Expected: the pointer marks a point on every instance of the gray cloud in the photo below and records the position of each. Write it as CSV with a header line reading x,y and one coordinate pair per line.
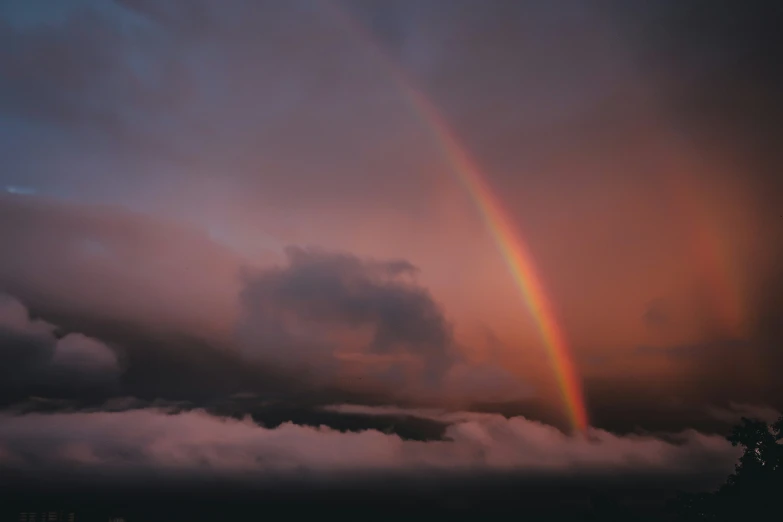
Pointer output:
x,y
289,312
33,357
81,354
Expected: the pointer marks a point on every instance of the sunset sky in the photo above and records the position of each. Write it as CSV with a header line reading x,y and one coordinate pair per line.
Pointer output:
x,y
388,216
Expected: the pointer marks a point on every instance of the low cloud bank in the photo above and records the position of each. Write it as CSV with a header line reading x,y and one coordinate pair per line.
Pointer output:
x,y
195,443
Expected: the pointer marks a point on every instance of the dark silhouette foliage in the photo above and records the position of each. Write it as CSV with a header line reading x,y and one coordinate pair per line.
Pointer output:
x,y
754,490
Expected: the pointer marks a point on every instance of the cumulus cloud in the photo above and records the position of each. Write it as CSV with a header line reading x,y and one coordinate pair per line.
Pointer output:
x,y
80,353
34,354
364,322
15,318
329,309
149,441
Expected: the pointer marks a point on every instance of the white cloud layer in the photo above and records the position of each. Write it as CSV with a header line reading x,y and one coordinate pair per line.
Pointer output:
x,y
197,443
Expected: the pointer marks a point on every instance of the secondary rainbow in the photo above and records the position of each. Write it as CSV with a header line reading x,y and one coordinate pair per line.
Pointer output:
x,y
512,248
709,245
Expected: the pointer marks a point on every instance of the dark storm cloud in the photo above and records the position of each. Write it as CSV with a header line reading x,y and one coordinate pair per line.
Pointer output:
x,y
320,290
34,358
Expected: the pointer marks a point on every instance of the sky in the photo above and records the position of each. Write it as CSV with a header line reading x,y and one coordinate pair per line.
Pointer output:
x,y
259,216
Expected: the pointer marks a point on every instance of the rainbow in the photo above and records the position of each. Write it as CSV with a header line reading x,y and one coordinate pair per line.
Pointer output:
x,y
515,253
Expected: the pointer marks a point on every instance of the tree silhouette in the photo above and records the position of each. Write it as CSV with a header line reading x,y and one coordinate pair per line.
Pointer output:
x,y
755,487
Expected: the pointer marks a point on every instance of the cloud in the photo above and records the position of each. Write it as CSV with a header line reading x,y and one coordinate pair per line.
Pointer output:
x,y
106,262
145,442
34,356
326,318
79,353
332,310
15,318
365,323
